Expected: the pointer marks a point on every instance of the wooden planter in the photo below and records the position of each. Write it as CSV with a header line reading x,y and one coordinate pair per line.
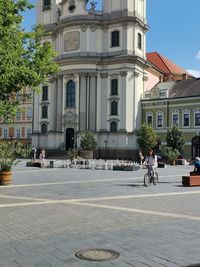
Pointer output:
x,y
86,154
5,177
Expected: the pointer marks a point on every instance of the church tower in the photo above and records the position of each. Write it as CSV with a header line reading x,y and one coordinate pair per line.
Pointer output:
x,y
102,57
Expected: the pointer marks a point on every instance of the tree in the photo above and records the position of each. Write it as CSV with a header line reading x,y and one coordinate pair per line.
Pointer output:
x,y
147,138
88,141
175,139
25,62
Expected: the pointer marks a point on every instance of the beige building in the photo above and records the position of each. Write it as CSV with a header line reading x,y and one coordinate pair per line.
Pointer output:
x,y
21,129
102,59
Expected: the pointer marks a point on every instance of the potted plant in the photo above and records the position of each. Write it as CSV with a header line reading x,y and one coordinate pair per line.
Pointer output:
x,y
87,144
9,152
172,155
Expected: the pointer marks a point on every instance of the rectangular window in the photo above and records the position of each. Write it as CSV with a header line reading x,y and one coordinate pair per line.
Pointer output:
x,y
115,39
175,119
28,133
29,113
18,116
186,119
5,133
149,119
18,133
139,41
197,119
114,87
46,4
160,120
44,93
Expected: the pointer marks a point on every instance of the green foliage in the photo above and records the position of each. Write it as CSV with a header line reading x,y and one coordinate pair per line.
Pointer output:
x,y
72,154
147,138
88,141
25,62
9,152
175,139
171,153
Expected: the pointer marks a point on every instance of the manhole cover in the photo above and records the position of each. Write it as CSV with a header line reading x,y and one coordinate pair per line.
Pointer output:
x,y
97,254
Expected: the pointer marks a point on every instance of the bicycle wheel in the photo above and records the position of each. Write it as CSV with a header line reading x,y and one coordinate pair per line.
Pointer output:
x,y
155,179
147,180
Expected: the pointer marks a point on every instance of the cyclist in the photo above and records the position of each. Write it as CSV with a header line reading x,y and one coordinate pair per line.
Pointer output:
x,y
151,162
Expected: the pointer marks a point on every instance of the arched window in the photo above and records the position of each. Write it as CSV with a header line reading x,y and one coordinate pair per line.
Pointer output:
x,y
44,128
44,112
70,101
139,41
114,87
115,39
113,126
114,107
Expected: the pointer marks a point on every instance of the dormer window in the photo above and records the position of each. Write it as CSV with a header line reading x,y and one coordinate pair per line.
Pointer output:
x,y
46,4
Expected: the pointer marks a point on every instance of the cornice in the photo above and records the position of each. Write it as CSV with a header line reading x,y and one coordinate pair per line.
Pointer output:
x,y
102,20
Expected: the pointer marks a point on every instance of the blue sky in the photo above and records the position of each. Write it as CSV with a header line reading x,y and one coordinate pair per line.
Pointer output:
x,y
174,30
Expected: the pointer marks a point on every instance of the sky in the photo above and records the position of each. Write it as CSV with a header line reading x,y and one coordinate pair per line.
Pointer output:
x,y
174,30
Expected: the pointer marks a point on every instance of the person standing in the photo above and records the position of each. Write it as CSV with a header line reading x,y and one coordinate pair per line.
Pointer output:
x,y
141,157
33,154
42,156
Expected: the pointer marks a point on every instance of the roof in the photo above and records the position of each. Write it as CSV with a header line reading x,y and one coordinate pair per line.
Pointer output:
x,y
164,64
185,88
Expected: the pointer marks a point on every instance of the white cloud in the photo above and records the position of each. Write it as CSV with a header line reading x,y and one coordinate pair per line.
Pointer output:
x,y
195,73
198,55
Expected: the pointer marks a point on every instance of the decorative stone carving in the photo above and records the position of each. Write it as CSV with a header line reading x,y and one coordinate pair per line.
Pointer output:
x,y
70,118
83,27
125,25
93,27
104,75
123,73
71,41
54,36
105,28
136,74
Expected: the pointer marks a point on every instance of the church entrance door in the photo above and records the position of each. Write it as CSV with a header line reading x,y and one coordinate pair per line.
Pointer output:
x,y
196,146
69,138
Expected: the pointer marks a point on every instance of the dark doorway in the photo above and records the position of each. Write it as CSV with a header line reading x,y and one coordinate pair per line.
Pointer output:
x,y
69,138
195,146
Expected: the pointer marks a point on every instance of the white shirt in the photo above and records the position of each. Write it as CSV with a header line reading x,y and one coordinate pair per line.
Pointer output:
x,y
152,161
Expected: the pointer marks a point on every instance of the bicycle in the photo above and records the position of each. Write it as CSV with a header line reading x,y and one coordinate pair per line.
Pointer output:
x,y
150,177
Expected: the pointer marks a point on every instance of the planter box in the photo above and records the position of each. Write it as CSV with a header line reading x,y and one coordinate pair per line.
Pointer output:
x,y
161,165
191,180
5,178
86,154
33,164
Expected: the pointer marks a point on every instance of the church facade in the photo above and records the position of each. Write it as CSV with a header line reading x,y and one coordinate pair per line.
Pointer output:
x,y
102,59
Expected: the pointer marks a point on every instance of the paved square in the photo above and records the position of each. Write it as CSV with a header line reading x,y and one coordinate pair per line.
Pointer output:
x,y
47,215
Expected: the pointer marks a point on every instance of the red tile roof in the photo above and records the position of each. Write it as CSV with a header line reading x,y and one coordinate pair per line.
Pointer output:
x,y
164,65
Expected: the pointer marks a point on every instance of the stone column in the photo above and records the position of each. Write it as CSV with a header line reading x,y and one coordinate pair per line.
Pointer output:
x,y
104,100
83,103
59,107
53,105
123,101
92,104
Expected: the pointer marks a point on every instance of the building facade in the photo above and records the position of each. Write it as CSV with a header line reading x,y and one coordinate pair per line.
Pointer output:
x,y
21,129
175,103
102,59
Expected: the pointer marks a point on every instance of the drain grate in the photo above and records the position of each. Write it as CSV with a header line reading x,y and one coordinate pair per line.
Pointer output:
x,y
96,254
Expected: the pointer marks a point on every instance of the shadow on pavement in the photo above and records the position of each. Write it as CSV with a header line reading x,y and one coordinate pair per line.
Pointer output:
x,y
193,265
131,185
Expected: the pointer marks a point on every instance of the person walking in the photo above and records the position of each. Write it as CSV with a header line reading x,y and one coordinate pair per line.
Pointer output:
x,y
33,154
141,157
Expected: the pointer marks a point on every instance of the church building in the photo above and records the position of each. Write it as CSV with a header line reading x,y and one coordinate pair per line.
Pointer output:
x,y
102,59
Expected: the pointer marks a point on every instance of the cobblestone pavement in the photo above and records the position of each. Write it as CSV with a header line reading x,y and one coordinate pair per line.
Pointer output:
x,y
47,215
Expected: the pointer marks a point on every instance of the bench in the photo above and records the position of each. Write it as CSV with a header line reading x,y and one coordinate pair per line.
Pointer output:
x,y
191,180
